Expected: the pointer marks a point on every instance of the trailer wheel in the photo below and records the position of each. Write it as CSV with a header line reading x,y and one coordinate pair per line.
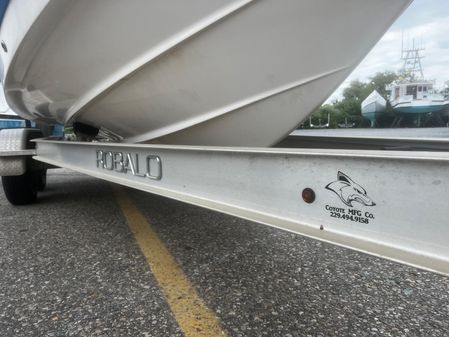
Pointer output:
x,y
41,180
20,190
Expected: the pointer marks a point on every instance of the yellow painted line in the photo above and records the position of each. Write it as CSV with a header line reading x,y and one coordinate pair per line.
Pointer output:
x,y
193,316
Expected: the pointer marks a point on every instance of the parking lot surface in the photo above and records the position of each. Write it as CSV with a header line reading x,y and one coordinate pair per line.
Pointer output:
x,y
70,265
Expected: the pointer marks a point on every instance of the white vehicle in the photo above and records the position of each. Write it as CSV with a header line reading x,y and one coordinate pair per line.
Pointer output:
x,y
220,73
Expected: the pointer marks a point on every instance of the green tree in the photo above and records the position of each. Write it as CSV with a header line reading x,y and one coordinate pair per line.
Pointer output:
x,y
349,107
380,82
356,91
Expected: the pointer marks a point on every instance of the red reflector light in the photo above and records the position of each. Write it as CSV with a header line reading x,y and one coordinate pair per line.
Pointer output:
x,y
308,195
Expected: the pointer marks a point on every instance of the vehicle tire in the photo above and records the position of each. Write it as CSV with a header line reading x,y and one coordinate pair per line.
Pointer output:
x,y
20,190
41,180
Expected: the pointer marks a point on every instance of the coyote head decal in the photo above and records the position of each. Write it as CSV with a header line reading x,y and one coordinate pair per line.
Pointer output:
x,y
349,191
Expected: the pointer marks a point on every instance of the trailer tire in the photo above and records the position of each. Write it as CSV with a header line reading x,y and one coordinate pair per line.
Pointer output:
x,y
20,190
41,180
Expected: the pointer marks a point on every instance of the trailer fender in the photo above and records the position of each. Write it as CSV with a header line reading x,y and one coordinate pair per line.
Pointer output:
x,y
12,141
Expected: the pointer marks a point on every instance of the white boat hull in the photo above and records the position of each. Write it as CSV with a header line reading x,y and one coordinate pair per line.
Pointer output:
x,y
209,72
445,111
374,103
374,107
418,106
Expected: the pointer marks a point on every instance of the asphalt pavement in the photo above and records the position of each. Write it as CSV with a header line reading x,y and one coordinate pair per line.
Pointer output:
x,y
70,266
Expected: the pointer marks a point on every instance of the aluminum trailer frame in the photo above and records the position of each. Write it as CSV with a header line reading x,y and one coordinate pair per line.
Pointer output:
x,y
367,142
387,203
392,204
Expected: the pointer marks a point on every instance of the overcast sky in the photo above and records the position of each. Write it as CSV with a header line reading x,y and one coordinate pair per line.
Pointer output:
x,y
427,21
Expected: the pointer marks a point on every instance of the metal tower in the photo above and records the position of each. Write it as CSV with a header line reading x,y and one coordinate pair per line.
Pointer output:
x,y
412,60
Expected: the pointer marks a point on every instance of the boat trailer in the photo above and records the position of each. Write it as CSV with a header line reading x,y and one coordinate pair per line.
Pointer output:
x,y
390,201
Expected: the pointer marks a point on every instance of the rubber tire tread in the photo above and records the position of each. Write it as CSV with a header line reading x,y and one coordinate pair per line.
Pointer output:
x,y
41,180
20,190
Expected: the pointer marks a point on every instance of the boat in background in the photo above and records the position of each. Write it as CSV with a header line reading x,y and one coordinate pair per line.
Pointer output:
x,y
445,112
414,95
373,107
200,72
